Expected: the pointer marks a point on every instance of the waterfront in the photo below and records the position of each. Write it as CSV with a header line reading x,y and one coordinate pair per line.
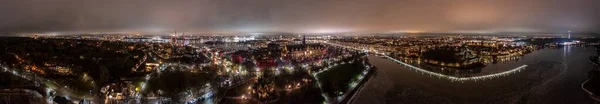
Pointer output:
x,y
299,52
553,76
294,70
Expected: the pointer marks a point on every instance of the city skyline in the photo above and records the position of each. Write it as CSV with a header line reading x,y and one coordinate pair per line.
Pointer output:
x,y
299,51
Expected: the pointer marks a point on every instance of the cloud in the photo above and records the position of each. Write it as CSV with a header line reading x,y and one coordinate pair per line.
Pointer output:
x,y
299,15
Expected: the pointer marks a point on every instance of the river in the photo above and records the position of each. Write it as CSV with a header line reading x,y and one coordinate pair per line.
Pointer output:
x,y
552,76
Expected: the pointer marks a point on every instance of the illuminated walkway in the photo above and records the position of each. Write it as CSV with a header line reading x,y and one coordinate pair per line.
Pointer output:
x,y
451,78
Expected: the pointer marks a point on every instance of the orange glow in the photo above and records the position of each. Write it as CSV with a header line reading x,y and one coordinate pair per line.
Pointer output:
x,y
413,31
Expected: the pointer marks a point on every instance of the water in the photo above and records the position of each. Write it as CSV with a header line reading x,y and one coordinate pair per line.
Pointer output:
x,y
553,76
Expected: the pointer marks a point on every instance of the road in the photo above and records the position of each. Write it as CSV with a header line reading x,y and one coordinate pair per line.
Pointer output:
x,y
60,91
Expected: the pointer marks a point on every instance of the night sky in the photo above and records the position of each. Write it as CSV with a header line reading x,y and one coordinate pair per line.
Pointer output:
x,y
312,16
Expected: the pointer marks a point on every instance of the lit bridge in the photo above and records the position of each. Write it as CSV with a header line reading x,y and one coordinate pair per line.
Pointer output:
x,y
451,78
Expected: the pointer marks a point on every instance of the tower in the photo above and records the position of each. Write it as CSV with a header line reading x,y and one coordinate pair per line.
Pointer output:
x,y
304,47
304,40
569,34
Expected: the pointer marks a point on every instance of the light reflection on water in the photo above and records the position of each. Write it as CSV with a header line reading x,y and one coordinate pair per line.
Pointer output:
x,y
503,66
453,78
553,76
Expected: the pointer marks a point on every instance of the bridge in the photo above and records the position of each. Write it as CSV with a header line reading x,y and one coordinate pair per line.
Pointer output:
x,y
451,78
